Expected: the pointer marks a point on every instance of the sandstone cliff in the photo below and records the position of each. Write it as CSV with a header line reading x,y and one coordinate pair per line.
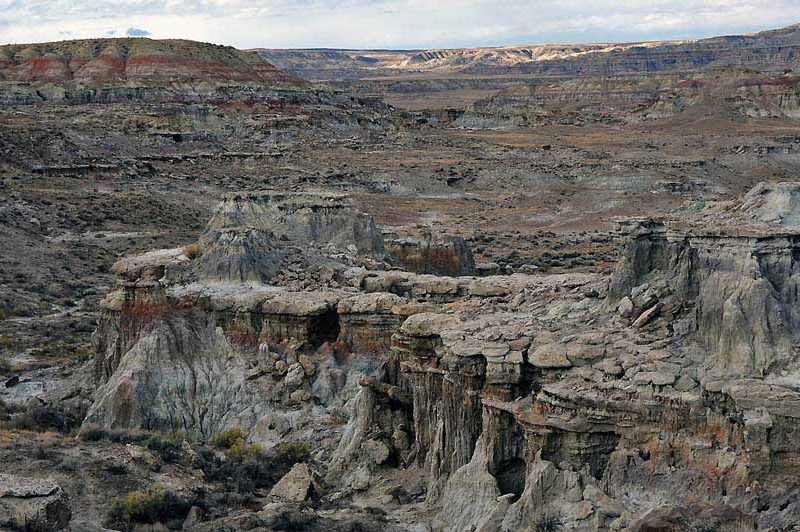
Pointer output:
x,y
663,395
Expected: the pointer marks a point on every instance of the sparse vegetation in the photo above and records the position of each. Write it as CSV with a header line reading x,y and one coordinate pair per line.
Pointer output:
x,y
192,251
226,439
168,447
248,467
293,521
148,507
235,446
41,418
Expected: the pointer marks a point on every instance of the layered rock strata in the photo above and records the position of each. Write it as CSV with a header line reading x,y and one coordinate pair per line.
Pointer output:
x,y
38,505
665,398
664,395
447,256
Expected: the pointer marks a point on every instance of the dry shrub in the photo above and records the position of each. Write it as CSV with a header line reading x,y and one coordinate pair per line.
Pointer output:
x,y
192,251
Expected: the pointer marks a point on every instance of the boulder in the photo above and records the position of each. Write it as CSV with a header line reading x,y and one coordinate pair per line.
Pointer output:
x,y
428,324
550,356
38,505
296,486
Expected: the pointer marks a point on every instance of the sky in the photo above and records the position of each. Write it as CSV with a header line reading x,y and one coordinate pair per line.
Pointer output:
x,y
390,24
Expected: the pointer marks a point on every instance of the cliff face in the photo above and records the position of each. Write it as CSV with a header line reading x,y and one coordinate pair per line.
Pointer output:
x,y
770,51
663,395
728,93
600,410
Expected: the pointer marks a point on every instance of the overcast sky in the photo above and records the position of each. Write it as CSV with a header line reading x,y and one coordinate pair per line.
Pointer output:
x,y
390,23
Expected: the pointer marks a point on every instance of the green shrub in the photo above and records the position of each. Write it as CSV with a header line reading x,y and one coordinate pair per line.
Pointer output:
x,y
292,452
167,447
43,418
241,451
236,447
227,439
147,507
93,433
249,467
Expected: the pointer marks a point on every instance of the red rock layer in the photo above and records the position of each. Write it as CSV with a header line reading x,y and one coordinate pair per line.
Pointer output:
x,y
134,60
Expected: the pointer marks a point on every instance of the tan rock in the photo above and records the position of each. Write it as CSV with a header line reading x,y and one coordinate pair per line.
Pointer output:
x,y
296,486
646,317
428,324
294,376
32,504
281,367
377,451
550,356
584,355
300,396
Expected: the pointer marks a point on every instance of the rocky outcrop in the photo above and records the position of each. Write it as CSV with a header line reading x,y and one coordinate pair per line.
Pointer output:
x,y
368,321
449,256
738,275
181,375
296,486
38,505
253,236
572,403
194,340
773,51
581,399
729,93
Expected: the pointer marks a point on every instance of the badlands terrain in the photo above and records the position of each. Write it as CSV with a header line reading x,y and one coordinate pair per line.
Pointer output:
x,y
531,288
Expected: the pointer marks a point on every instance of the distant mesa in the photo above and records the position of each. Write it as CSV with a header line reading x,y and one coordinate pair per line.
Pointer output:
x,y
770,51
135,60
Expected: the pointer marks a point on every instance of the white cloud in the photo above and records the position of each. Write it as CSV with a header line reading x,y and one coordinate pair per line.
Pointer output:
x,y
391,23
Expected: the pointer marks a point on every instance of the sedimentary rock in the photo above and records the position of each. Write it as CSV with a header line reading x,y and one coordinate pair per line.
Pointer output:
x,y
439,256
296,486
589,417
257,236
773,50
574,398
198,343
133,60
38,505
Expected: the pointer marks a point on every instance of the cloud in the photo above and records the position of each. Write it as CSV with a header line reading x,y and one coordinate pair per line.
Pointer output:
x,y
136,32
393,23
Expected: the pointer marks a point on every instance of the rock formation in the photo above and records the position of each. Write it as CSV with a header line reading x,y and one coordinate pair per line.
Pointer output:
x,y
32,504
203,344
448,256
115,70
132,60
772,51
600,409
662,394
251,236
728,93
